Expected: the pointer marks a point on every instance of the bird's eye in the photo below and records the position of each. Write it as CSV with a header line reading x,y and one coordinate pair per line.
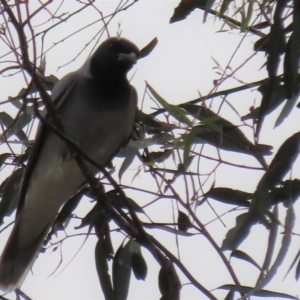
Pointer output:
x,y
112,46
115,47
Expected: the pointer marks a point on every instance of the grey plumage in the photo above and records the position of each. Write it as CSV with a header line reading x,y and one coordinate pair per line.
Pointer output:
x,y
96,106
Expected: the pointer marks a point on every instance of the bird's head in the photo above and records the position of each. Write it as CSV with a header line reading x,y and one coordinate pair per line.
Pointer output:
x,y
114,57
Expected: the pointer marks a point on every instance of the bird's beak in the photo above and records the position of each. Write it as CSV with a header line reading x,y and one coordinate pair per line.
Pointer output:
x,y
130,58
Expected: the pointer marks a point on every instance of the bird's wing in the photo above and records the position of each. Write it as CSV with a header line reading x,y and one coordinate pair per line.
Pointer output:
x,y
59,93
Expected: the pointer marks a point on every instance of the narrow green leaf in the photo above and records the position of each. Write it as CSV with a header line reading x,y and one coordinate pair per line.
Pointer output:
x,y
230,295
291,58
236,235
156,157
185,8
297,273
139,265
130,155
277,97
244,256
247,19
152,125
206,116
163,281
122,265
118,200
102,270
229,196
66,211
208,6
262,293
187,145
173,110
6,119
282,162
285,243
148,48
11,192
274,48
15,126
224,7
184,222
100,222
271,246
47,82
168,229
3,158
88,219
162,139
117,275
168,282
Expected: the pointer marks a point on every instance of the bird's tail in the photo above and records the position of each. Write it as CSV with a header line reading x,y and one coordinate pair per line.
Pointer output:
x,y
17,260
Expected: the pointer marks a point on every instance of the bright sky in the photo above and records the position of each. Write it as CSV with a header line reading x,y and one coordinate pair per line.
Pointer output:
x,y
180,68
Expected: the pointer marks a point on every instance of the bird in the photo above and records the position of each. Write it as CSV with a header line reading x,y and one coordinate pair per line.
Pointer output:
x,y
96,106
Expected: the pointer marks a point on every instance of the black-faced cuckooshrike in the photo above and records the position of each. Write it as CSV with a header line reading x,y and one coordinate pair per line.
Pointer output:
x,y
96,106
